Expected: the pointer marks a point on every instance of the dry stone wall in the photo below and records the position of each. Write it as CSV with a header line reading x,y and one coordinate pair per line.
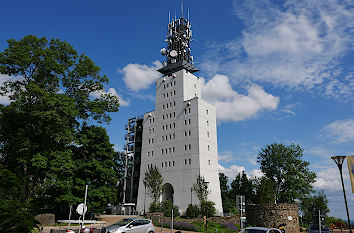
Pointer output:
x,y
269,215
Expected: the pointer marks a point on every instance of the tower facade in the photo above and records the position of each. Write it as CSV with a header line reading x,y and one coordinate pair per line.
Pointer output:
x,y
180,137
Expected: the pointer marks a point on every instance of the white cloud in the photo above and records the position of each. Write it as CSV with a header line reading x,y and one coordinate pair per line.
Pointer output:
x,y
319,151
328,179
233,170
226,158
112,91
340,131
232,106
138,77
299,44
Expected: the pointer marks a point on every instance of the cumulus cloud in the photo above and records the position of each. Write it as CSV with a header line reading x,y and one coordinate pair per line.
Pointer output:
x,y
232,106
340,131
298,44
328,179
139,77
233,170
112,91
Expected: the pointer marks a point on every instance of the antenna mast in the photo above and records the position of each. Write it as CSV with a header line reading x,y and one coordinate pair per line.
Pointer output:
x,y
182,8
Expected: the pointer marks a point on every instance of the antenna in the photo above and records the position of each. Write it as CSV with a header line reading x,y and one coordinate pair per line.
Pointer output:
x,y
182,7
169,17
188,14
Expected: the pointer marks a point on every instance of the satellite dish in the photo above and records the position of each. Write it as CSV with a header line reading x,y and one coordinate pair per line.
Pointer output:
x,y
173,53
80,209
163,51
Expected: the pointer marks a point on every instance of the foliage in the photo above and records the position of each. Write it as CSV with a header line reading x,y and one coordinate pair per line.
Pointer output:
x,y
166,208
14,212
201,188
227,204
153,181
207,208
265,191
310,203
229,226
154,207
285,166
52,91
119,169
192,211
241,185
184,226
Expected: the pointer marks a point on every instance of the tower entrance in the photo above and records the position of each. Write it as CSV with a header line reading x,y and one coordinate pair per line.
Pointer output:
x,y
167,192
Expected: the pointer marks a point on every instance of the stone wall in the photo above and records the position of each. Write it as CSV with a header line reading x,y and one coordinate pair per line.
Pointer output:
x,y
269,215
45,219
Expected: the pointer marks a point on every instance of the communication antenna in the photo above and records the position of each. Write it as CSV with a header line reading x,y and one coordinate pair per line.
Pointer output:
x,y
169,16
188,14
182,7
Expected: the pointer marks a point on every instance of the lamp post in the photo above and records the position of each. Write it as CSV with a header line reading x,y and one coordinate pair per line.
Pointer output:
x,y
144,198
339,161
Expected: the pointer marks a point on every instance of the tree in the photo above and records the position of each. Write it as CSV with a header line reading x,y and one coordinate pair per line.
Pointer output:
x,y
52,91
265,191
309,203
153,181
119,168
15,215
224,188
285,167
192,211
201,189
241,185
207,208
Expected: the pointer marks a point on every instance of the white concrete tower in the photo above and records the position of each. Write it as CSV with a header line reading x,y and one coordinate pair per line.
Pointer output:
x,y
180,136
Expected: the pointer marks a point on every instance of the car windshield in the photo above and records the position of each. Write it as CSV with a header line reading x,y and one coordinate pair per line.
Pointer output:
x,y
122,222
254,231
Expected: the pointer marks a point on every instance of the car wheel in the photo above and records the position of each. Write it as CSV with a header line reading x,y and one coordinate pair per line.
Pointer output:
x,y
151,232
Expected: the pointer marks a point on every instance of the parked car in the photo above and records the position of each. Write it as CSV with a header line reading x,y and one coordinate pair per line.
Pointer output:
x,y
131,225
260,230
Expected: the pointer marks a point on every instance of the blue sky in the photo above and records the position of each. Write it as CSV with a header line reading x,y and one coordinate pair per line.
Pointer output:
x,y
277,71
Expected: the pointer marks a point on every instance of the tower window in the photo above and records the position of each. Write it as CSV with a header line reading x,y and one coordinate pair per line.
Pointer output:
x,y
189,121
174,114
165,164
208,133
185,111
161,164
208,148
174,103
152,153
174,82
189,110
162,151
190,161
189,133
164,86
185,133
185,147
195,85
207,111
174,92
207,123
209,162
148,153
163,127
167,94
163,117
189,146
174,125
173,163
173,149
185,162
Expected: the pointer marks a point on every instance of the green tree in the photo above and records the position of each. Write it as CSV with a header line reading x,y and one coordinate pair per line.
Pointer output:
x,y
153,181
201,189
227,204
309,203
241,185
192,211
207,208
289,172
265,191
119,168
51,91
15,215
166,208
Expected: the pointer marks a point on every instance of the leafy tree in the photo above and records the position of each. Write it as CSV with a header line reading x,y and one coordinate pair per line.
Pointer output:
x,y
51,91
14,212
285,167
265,191
192,211
241,185
153,181
201,189
207,208
309,203
227,204
119,168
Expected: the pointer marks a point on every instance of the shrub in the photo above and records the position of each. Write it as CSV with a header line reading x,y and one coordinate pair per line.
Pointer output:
x,y
154,207
166,208
207,208
192,211
229,226
184,226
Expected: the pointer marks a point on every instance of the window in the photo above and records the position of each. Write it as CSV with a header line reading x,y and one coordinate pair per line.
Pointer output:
x,y
189,121
166,94
207,111
149,141
174,125
162,151
170,115
171,104
174,114
174,82
208,148
170,136
174,136
166,150
169,163
189,146
148,153
189,110
164,86
185,111
190,161
185,133
167,85
153,120
161,164
152,153
153,130
149,131
174,103
152,140
163,127
185,162
171,93
173,149
189,133
165,164
163,138
174,92
163,117
195,85
207,123
173,163
185,147
150,121
209,162
170,149
185,122
208,134
167,105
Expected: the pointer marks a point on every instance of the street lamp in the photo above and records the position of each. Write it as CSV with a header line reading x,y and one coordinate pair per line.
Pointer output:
x,y
339,161
191,195
144,198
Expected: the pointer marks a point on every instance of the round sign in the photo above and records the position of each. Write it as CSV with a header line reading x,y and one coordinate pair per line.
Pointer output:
x,y
80,209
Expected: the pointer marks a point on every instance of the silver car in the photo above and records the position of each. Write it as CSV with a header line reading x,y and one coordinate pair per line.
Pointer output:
x,y
260,230
131,225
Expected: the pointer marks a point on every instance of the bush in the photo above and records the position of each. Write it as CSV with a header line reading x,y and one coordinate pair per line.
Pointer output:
x,y
207,208
192,211
154,207
184,226
166,208
229,226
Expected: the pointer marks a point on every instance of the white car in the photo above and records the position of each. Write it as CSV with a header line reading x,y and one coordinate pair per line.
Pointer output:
x,y
260,230
131,225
